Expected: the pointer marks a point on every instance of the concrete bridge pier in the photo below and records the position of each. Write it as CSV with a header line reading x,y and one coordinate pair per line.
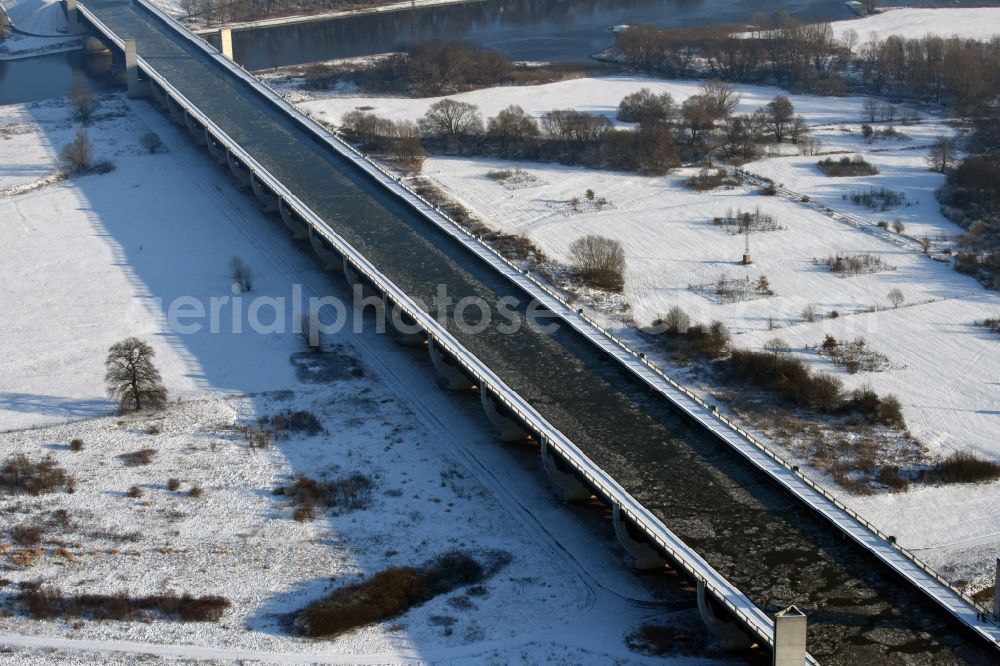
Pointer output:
x,y
136,87
450,376
567,486
401,327
332,260
226,42
176,111
92,45
508,430
729,635
159,94
790,630
217,150
359,287
298,228
268,198
73,18
196,129
239,171
643,555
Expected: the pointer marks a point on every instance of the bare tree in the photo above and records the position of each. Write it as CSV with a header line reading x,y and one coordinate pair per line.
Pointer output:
x,y
78,156
132,378
942,155
896,297
511,127
780,114
869,110
84,104
241,274
721,97
677,321
448,118
600,260
777,347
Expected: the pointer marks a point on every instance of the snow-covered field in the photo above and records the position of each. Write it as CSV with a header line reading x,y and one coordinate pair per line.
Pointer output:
x,y
43,18
45,23
912,22
943,368
76,280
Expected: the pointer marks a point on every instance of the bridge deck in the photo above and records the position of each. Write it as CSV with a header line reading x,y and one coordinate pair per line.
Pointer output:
x,y
768,543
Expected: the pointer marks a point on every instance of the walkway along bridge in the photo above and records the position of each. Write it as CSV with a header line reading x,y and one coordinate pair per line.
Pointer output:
x,y
687,488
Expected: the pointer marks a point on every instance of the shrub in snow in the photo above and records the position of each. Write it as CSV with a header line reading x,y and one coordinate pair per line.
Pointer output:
x,y
600,261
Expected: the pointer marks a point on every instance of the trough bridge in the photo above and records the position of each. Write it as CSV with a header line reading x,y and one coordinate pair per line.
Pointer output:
x,y
686,488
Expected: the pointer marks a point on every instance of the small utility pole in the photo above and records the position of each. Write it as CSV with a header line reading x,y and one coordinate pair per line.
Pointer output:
x,y
747,259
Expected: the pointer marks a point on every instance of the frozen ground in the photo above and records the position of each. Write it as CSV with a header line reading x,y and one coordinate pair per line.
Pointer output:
x,y
911,22
943,368
76,280
45,23
44,18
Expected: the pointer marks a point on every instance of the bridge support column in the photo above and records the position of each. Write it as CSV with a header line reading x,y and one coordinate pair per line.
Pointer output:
x,y
217,150
567,487
508,430
401,328
92,45
159,94
240,172
136,88
730,636
73,18
790,630
176,111
197,134
450,376
353,279
298,228
643,555
266,197
331,258
226,42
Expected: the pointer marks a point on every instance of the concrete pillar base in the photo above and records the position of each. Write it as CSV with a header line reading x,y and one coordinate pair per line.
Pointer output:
x,y
73,18
176,112
730,636
411,336
356,283
135,87
226,42
217,150
790,631
449,376
92,45
196,130
298,228
266,197
643,555
508,430
568,488
331,258
240,172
